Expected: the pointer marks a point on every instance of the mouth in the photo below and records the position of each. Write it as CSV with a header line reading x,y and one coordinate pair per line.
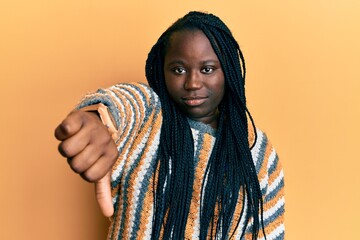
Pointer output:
x,y
194,101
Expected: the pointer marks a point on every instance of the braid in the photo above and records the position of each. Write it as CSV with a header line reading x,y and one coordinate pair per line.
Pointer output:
x,y
230,169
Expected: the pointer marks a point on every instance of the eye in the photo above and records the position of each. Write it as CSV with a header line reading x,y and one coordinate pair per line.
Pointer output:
x,y
207,70
179,70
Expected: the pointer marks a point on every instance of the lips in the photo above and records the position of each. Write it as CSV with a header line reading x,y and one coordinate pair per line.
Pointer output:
x,y
194,101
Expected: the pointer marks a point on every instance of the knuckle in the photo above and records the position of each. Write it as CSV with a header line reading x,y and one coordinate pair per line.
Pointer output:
x,y
101,138
75,113
65,127
111,151
114,153
76,166
91,119
64,149
89,176
108,140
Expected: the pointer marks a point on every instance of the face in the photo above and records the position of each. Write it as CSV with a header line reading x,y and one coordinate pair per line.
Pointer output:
x,y
193,76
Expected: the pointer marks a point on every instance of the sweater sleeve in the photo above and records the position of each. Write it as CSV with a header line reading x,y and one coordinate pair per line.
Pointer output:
x,y
274,201
133,111
124,102
271,179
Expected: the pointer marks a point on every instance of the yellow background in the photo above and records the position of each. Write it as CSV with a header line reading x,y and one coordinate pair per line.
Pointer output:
x,y
303,82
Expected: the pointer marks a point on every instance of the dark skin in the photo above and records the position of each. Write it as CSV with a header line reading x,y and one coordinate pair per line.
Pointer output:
x,y
195,82
90,152
193,76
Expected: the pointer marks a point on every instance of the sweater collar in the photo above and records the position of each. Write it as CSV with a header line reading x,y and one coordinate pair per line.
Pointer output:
x,y
202,127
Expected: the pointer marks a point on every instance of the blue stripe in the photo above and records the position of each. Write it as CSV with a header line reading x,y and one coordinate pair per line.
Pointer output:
x,y
260,159
154,106
134,114
143,190
274,216
126,185
261,154
139,93
273,166
202,127
144,185
116,209
106,100
199,144
269,220
281,236
274,192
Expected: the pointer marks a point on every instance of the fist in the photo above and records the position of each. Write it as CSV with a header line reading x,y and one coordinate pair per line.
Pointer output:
x,y
87,145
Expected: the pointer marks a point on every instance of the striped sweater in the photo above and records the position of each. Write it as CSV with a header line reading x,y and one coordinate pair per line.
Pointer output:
x,y
136,118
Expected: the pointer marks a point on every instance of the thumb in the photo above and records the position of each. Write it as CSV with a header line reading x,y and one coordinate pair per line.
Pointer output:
x,y
103,195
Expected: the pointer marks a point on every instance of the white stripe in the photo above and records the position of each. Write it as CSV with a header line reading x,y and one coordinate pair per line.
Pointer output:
x,y
256,149
138,180
264,182
271,211
132,114
275,233
272,158
276,181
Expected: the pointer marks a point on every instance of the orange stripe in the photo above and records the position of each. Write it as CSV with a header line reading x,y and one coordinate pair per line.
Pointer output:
x,y
275,174
144,90
263,170
237,212
117,219
145,213
251,134
216,218
273,201
125,131
268,229
134,174
148,201
198,178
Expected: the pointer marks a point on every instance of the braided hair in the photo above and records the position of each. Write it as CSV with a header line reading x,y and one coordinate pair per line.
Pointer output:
x,y
230,171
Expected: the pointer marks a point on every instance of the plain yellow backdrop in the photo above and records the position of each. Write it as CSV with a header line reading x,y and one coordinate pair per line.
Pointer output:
x,y
303,86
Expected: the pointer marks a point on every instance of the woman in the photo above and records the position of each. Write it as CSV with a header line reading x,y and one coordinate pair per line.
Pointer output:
x,y
184,162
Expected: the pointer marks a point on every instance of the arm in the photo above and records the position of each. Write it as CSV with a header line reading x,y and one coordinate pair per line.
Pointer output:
x,y
274,201
271,179
126,111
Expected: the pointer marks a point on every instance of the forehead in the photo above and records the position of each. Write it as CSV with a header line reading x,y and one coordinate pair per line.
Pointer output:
x,y
189,42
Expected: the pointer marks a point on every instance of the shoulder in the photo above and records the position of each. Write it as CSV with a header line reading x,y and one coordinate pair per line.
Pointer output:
x,y
268,168
134,88
263,152
118,92
134,94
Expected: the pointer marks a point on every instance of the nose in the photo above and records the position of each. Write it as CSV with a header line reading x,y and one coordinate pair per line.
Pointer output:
x,y
193,81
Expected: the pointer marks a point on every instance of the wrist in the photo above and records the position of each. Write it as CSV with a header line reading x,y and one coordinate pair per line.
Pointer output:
x,y
105,116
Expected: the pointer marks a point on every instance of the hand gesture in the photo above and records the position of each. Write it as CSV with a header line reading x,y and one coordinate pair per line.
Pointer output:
x,y
90,151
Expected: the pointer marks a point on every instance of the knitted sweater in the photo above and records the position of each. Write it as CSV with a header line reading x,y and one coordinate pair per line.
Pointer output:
x,y
136,116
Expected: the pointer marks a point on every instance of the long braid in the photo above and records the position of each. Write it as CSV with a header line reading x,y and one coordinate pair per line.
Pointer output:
x,y
230,169
176,153
232,71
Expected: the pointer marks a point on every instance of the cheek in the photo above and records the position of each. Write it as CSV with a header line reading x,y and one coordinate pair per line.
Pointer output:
x,y
167,82
172,87
221,87
221,93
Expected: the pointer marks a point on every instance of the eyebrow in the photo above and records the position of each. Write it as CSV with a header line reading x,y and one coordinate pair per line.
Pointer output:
x,y
175,62
205,62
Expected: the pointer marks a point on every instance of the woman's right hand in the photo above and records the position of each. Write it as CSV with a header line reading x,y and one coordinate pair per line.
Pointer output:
x,y
90,152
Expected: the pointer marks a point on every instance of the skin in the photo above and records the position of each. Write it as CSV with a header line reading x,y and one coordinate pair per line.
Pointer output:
x,y
90,152
193,76
195,82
